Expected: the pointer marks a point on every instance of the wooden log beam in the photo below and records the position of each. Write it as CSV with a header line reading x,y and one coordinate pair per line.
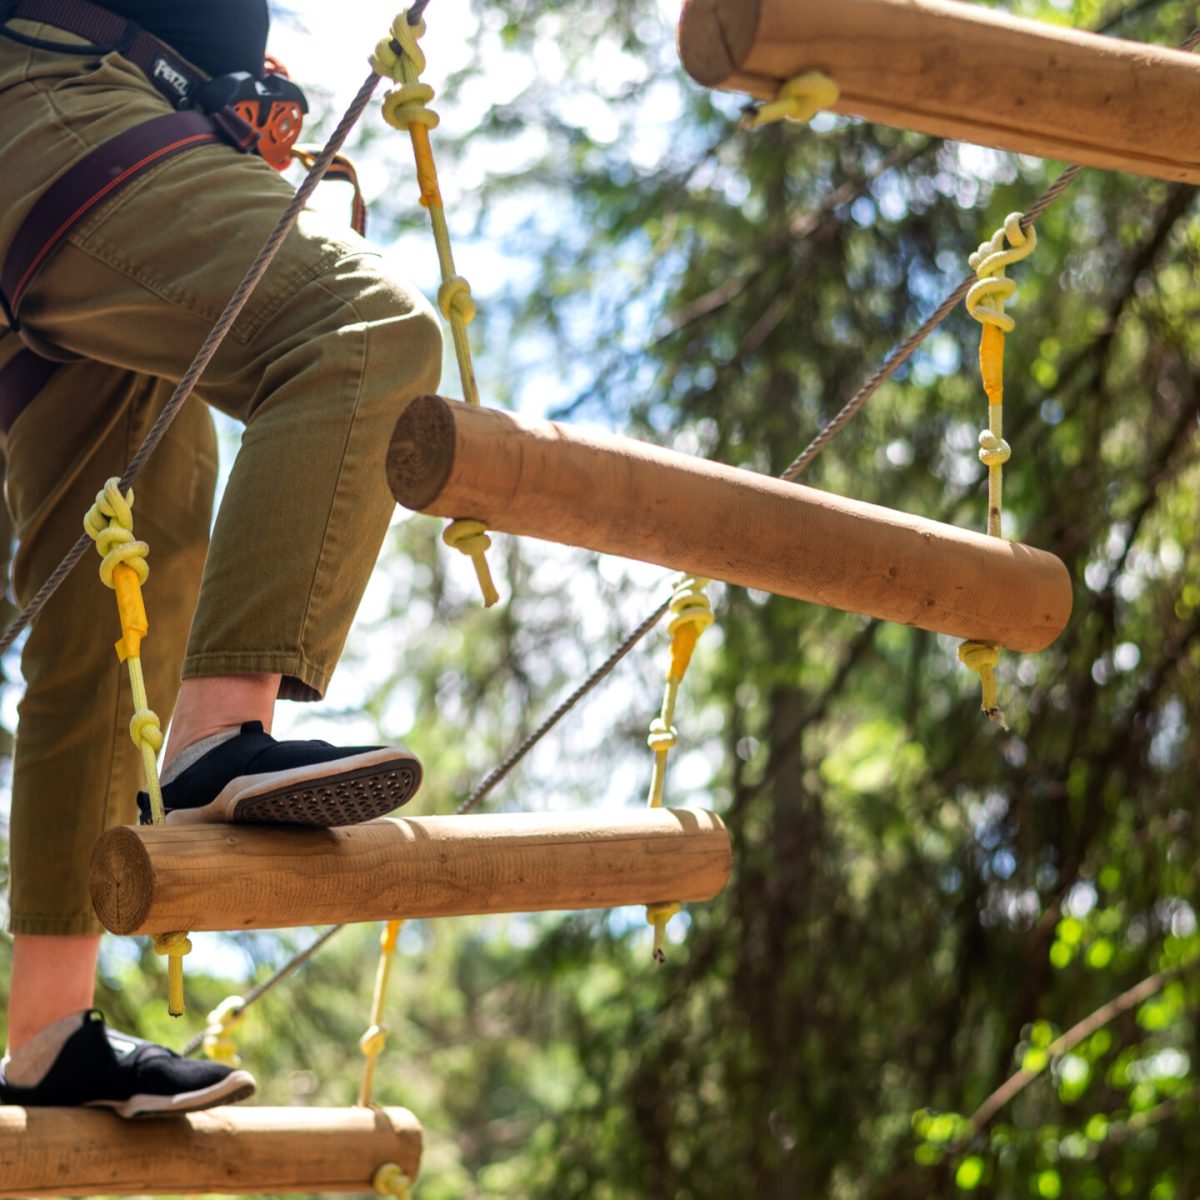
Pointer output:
x,y
226,877
624,497
963,71
233,1151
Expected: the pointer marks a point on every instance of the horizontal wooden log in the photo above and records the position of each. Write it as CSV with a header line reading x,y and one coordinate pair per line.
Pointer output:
x,y
624,497
226,877
963,71
233,1151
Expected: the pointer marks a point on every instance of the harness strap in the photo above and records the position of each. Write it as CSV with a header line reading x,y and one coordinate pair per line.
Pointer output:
x,y
98,176
174,77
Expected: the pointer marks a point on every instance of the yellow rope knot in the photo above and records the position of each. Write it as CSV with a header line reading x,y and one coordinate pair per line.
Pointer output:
x,y
390,1180
455,300
173,946
799,99
373,1041
989,263
658,915
470,538
982,658
221,1022
401,59
146,730
662,737
993,451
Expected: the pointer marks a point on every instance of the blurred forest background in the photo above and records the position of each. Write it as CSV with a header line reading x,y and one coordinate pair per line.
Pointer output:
x,y
886,1002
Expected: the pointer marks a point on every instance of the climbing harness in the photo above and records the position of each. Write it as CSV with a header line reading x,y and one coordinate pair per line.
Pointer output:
x,y
245,113
985,302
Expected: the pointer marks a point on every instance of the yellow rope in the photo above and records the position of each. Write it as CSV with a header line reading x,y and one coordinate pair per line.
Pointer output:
x,y
985,302
373,1041
406,106
390,1180
218,1032
799,99
123,567
691,615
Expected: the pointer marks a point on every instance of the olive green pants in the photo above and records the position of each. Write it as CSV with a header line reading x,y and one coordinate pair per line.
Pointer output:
x,y
323,359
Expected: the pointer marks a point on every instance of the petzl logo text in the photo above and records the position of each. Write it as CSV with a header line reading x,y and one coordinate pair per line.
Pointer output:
x,y
176,81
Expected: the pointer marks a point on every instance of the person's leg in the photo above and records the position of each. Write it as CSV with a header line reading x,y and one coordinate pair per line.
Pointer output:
x,y
52,978
212,704
75,768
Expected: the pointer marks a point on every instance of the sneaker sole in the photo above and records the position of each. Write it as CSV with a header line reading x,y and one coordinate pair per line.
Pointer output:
x,y
344,791
239,1085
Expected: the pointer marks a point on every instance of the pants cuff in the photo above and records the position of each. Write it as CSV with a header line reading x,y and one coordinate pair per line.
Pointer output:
x,y
302,680
44,926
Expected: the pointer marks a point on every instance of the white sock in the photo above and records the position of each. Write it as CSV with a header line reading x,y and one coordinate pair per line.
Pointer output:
x,y
27,1068
195,752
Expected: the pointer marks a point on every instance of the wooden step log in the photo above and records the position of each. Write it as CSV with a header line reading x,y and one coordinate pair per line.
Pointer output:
x,y
239,1150
625,497
963,71
228,877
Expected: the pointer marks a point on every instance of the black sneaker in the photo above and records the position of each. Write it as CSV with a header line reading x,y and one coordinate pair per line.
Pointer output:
x,y
253,779
100,1068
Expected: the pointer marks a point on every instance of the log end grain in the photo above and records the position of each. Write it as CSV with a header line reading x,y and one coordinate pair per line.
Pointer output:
x,y
716,37
421,453
121,879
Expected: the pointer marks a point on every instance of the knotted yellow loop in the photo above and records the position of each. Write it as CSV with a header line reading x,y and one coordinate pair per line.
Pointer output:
x,y
661,739
989,263
145,728
373,1041
993,451
406,106
389,1180
455,300
218,1032
982,658
470,537
799,99
658,915
109,523
173,946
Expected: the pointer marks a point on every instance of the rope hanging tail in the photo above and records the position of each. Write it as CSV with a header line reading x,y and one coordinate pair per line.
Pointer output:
x,y
799,99
373,1041
406,106
691,615
985,302
123,568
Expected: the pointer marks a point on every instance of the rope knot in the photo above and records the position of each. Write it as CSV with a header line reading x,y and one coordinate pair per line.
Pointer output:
x,y
993,451
982,658
455,300
109,523
986,299
658,915
373,1041
221,1022
174,946
390,1180
470,537
146,730
662,737
799,99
